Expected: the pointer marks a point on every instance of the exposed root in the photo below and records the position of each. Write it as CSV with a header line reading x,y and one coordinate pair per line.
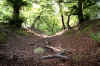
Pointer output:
x,y
56,56
60,53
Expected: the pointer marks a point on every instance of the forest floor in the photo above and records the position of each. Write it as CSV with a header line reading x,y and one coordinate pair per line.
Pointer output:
x,y
22,50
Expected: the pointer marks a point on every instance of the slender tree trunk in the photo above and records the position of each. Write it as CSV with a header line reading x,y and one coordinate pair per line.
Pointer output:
x,y
63,24
68,21
16,17
16,11
62,16
14,21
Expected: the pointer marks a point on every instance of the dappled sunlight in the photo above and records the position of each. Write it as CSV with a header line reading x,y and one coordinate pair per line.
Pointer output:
x,y
35,5
74,20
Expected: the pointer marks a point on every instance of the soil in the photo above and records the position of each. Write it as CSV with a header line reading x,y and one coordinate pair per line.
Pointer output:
x,y
19,50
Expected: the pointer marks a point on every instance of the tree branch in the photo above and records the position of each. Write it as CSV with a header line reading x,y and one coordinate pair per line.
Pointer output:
x,y
56,56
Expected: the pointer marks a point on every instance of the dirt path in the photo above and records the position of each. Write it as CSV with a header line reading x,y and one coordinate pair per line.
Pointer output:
x,y
21,48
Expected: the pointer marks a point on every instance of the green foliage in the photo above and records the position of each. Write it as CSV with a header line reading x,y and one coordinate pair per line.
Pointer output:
x,y
95,36
5,11
49,25
16,19
16,3
44,15
90,12
90,8
73,20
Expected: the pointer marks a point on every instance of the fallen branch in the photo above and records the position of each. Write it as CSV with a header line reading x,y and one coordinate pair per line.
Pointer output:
x,y
55,49
60,53
56,56
58,49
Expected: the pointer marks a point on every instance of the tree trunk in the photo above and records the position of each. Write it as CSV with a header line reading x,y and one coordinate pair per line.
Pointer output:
x,y
63,24
80,11
68,21
16,11
61,11
17,21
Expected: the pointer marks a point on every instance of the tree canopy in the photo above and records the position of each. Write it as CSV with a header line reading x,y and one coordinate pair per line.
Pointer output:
x,y
48,16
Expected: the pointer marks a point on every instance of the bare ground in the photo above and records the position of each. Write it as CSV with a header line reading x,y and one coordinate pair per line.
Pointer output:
x,y
20,50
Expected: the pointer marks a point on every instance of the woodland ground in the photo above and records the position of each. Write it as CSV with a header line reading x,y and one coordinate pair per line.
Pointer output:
x,y
20,49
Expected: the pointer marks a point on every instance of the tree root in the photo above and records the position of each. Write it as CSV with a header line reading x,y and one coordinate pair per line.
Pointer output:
x,y
60,53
